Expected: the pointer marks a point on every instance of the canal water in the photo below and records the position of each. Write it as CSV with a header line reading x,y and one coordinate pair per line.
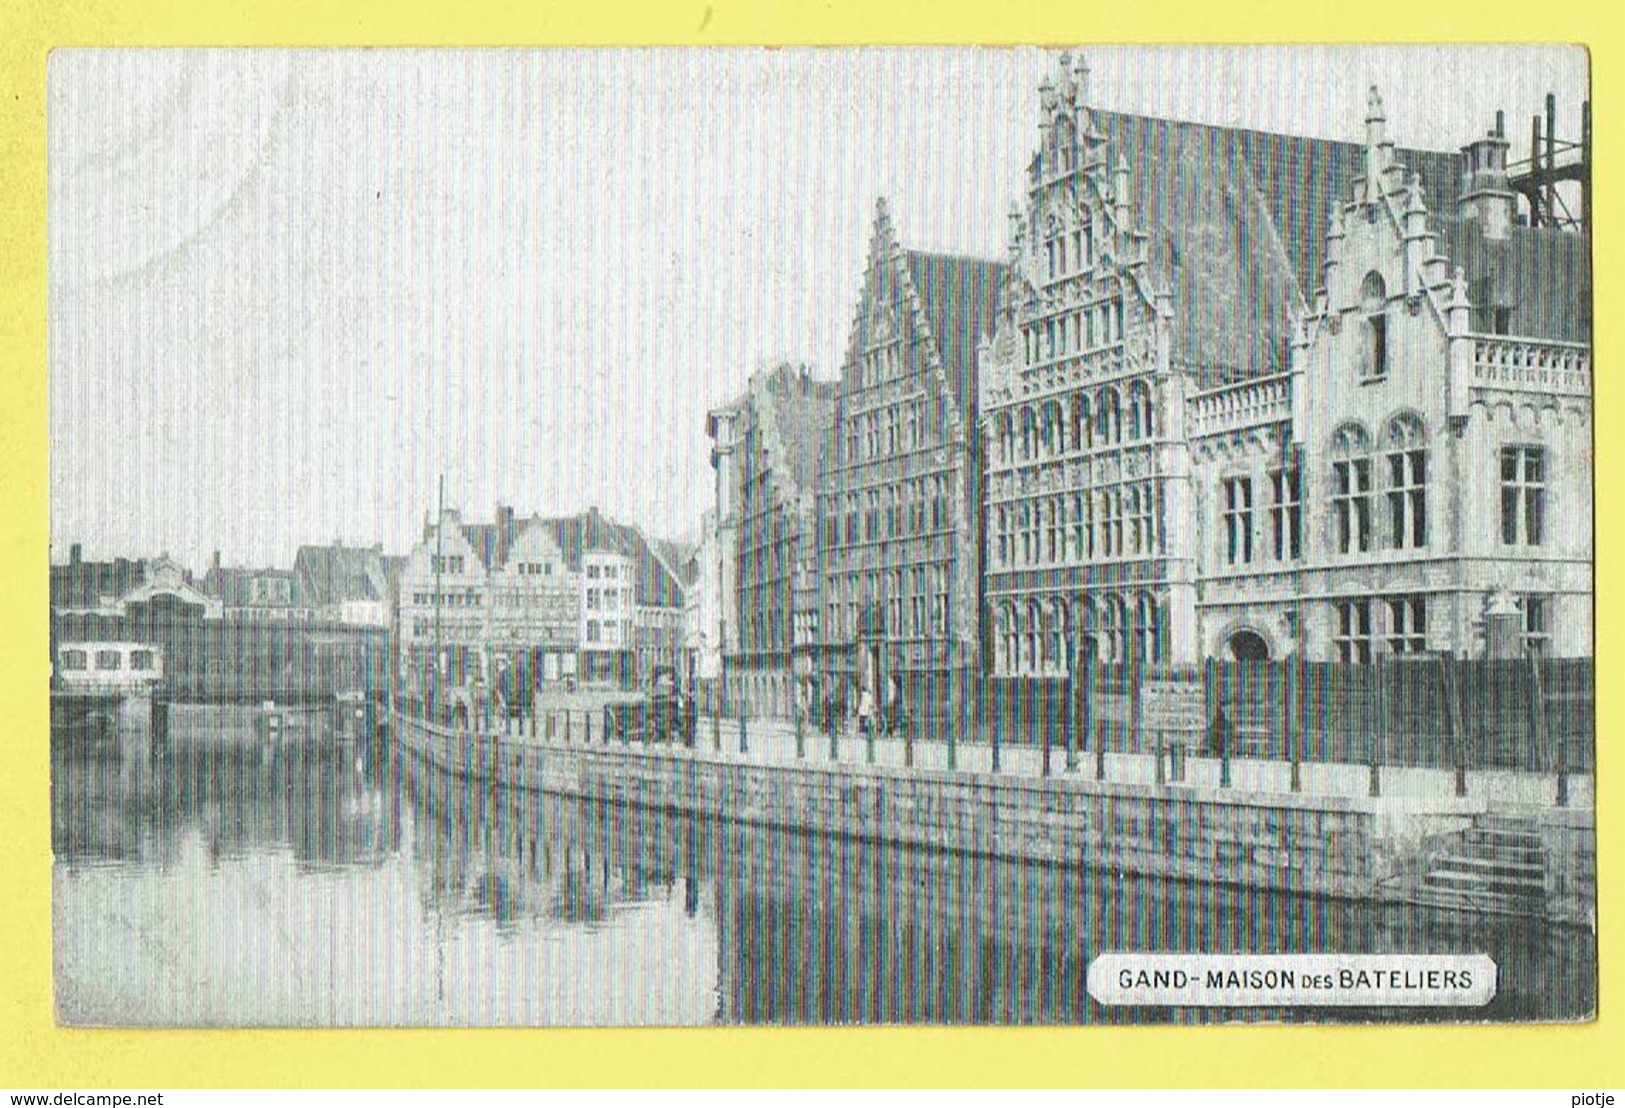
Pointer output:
x,y
342,887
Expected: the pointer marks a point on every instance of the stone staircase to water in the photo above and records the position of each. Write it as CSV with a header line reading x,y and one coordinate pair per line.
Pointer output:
x,y
1498,867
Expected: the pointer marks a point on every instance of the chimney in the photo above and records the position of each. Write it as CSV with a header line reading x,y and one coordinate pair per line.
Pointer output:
x,y
1485,193
214,562
75,554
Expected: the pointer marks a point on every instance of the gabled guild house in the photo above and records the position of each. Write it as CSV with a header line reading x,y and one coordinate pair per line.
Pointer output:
x,y
1252,396
898,504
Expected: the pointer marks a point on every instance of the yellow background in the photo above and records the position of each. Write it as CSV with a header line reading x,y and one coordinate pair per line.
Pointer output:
x,y
35,1053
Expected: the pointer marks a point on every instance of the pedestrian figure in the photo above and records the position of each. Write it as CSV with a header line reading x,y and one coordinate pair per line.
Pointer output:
x,y
866,711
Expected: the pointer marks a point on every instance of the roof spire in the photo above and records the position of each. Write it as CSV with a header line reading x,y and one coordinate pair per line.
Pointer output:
x,y
1378,150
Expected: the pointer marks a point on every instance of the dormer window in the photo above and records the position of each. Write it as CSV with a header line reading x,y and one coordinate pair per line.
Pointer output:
x,y
1374,303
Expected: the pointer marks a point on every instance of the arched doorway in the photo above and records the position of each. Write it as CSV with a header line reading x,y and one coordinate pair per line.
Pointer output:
x,y
1249,646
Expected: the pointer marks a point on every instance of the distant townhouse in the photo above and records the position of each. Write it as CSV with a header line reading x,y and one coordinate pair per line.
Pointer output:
x,y
249,595
577,598
341,585
767,446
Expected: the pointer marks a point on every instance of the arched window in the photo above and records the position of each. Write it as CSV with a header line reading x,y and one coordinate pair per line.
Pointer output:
x,y
1001,640
1374,302
1139,411
1024,525
1001,532
1051,532
1083,539
1027,436
1083,428
1351,489
1147,628
1032,634
1055,638
1114,629
1108,418
1407,482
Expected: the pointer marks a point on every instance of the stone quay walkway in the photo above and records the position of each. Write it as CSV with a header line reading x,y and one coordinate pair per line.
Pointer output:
x,y
774,742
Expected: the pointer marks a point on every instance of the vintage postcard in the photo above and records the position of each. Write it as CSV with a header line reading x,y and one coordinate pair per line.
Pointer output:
x,y
821,536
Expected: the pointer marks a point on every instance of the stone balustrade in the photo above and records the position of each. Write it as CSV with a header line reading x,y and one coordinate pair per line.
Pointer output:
x,y
1528,365
1246,404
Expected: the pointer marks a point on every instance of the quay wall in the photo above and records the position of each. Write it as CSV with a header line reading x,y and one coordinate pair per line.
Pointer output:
x,y
1322,845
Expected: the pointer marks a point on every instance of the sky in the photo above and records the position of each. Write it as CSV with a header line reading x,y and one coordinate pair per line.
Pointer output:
x,y
290,289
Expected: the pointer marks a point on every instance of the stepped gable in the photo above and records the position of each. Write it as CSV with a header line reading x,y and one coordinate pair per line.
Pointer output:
x,y
1237,221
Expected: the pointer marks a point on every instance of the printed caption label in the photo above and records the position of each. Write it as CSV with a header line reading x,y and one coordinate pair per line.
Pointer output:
x,y
1293,980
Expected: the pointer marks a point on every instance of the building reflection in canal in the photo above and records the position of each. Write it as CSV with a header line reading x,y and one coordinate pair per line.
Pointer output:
x,y
327,888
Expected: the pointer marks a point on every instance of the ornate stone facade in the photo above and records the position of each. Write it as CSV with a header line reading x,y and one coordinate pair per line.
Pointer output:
x,y
899,538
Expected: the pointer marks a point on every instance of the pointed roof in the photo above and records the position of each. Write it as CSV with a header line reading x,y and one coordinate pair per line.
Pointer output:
x,y
959,296
338,574
1237,221
1540,275
955,296
657,585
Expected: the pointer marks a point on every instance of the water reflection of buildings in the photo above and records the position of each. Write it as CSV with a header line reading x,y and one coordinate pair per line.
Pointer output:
x,y
323,808
509,854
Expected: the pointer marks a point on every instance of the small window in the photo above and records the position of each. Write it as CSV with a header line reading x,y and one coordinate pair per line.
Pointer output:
x,y
141,660
1353,636
1523,496
1407,625
1374,301
75,659
1537,631
109,660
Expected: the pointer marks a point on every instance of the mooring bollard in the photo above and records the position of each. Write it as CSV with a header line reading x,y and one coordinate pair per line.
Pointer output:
x,y
1376,778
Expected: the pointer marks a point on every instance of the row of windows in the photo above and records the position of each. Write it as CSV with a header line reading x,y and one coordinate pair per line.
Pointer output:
x,y
910,602
1083,422
607,572
1365,626
1073,333
535,569
1118,522
886,432
107,661
446,563
1067,253
1036,637
881,363
598,598
465,599
1285,517
904,510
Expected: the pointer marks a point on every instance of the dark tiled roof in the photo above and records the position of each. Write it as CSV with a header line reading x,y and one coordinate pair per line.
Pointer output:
x,y
83,584
234,587
959,297
336,574
1238,222
1541,275
657,586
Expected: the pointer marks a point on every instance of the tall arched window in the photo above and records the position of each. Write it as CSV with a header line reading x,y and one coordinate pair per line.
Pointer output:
x,y
1083,428
1147,628
1024,525
1407,482
1108,418
1027,435
1050,430
1351,489
1374,302
1139,410
1002,640
1001,533
1032,634
1055,638
1114,629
